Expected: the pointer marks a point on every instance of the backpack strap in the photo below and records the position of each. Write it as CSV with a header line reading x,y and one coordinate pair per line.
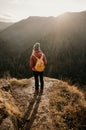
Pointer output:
x,y
37,57
41,57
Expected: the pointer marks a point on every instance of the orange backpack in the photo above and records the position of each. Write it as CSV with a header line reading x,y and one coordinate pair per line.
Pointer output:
x,y
39,64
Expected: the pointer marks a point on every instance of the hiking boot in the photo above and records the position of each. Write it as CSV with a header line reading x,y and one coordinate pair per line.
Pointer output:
x,y
41,91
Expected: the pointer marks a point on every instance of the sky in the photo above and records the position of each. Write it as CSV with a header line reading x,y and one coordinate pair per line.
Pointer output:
x,y
16,10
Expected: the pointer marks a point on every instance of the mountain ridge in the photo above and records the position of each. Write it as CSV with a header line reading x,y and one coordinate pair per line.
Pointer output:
x,y
22,27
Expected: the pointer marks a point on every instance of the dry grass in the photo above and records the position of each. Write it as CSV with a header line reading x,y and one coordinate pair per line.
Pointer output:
x,y
68,107
7,104
21,82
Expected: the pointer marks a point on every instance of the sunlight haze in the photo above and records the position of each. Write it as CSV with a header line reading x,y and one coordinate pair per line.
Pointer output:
x,y
15,10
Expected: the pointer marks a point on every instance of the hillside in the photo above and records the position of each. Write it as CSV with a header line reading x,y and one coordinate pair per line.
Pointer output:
x,y
4,25
24,33
62,38
59,107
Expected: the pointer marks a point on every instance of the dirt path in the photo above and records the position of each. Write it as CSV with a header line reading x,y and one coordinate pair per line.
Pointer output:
x,y
37,115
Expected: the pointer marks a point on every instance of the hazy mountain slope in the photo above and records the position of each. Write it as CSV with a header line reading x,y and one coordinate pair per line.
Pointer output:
x,y
4,25
26,32
63,39
60,106
63,28
68,42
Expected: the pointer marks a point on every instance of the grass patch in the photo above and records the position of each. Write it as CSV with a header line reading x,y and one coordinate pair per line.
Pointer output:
x,y
19,82
7,105
68,107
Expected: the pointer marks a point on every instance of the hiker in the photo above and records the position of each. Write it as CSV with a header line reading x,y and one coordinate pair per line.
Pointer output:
x,y
37,63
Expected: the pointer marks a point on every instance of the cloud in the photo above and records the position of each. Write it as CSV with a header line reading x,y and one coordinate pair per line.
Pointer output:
x,y
7,17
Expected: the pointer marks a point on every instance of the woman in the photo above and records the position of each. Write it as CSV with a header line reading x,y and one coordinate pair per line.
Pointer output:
x,y
35,56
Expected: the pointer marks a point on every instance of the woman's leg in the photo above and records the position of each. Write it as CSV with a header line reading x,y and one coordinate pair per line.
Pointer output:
x,y
36,80
41,80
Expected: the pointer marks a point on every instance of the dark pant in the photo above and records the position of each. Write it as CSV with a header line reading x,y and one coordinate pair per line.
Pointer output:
x,y
38,75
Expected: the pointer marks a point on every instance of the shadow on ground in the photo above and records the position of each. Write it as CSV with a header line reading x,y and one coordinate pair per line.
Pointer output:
x,y
31,112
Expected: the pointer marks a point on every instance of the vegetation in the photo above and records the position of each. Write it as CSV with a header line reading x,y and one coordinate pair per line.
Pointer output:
x,y
68,107
21,82
8,106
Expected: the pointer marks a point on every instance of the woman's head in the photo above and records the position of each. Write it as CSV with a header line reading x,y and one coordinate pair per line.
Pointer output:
x,y
36,46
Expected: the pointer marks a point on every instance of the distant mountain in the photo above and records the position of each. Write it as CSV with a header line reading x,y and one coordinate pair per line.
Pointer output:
x,y
62,38
4,25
